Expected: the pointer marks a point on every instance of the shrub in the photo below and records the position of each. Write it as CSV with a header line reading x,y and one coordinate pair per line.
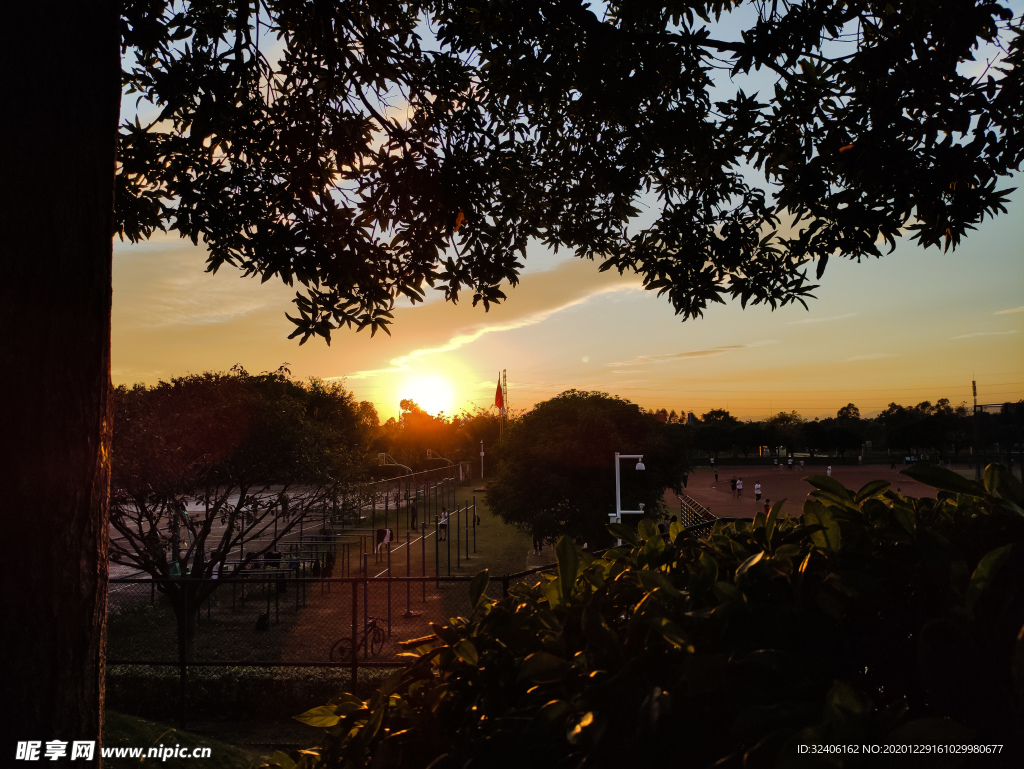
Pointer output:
x,y
872,618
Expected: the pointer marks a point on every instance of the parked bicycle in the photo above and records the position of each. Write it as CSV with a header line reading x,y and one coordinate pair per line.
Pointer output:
x,y
371,637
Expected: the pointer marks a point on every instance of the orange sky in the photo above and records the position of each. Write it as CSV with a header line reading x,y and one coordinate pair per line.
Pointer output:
x,y
913,326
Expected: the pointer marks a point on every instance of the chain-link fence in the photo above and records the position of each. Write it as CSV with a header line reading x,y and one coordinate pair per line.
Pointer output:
x,y
270,641
275,641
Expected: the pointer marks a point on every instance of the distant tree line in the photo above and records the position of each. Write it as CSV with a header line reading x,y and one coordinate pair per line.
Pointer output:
x,y
940,430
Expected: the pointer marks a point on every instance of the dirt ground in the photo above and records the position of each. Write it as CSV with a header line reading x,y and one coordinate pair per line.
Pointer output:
x,y
784,484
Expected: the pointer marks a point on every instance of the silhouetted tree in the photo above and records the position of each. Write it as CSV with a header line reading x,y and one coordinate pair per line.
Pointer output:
x,y
252,455
557,474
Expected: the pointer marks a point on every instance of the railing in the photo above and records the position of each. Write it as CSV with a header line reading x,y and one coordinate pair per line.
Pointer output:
x,y
692,512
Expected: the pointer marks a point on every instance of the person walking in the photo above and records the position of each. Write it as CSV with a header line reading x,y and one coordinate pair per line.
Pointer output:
x,y
757,491
414,515
828,471
767,506
442,525
716,475
732,484
739,487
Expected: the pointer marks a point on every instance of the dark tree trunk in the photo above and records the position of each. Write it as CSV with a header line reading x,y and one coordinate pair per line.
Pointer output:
x,y
57,155
186,602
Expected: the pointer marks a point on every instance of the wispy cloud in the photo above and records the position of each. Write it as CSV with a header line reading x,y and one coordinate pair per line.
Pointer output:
x,y
674,356
180,293
823,320
984,333
706,353
402,363
1010,311
870,356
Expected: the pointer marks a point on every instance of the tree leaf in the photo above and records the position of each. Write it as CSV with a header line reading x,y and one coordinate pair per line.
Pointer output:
x,y
941,478
828,536
623,532
543,667
322,716
568,564
478,587
986,572
466,651
748,564
831,485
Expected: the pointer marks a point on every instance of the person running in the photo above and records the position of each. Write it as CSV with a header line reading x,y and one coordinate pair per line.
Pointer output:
x,y
757,491
739,487
442,525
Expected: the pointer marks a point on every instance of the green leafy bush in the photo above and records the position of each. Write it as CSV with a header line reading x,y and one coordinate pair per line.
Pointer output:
x,y
872,618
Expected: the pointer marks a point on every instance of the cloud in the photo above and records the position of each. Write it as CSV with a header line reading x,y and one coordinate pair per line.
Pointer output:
x,y
473,334
164,285
823,320
674,356
1010,311
706,353
984,333
870,356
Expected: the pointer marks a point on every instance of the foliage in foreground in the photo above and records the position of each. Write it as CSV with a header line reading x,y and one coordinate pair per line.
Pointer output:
x,y
870,618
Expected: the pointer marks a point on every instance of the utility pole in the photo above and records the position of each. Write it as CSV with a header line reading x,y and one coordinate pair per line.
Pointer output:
x,y
976,448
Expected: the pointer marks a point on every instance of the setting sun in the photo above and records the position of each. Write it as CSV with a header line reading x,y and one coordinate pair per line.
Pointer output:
x,y
432,393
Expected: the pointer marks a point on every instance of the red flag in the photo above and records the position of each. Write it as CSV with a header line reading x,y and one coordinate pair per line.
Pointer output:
x,y
499,396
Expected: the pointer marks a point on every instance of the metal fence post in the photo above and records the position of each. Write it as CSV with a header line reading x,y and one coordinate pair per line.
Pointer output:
x,y
366,602
389,590
355,614
183,667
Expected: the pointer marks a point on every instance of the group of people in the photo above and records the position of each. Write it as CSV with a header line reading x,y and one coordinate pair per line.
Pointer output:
x,y
736,484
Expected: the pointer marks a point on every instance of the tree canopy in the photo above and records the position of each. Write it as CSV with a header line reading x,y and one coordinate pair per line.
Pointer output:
x,y
368,151
259,454
557,471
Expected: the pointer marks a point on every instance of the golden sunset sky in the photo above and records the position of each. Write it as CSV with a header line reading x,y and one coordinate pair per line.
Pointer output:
x,y
916,325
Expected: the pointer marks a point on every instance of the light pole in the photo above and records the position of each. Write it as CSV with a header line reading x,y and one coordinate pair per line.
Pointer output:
x,y
617,515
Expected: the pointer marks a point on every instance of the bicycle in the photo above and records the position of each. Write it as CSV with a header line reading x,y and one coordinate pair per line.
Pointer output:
x,y
372,638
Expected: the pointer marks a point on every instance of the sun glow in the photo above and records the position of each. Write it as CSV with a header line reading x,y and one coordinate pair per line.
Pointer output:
x,y
432,393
